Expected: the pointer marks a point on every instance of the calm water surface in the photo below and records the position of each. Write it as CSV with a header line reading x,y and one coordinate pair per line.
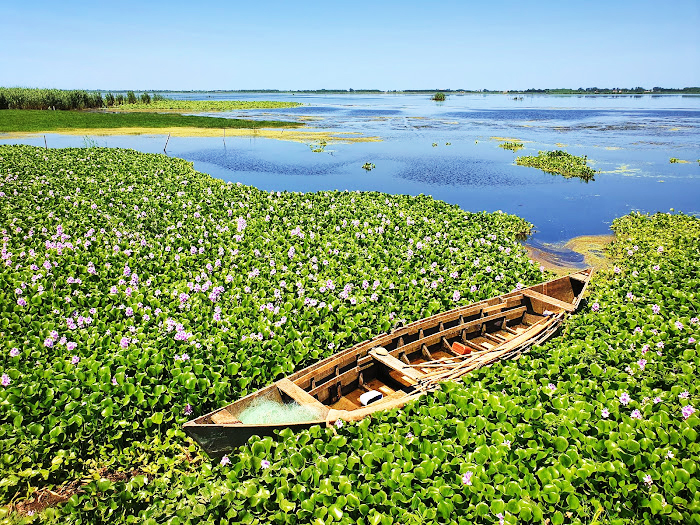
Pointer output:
x,y
629,138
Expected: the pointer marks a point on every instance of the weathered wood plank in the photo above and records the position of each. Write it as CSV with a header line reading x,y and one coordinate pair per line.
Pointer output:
x,y
568,307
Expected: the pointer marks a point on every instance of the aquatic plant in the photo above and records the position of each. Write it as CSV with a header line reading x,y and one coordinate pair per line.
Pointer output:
x,y
513,146
27,98
439,96
368,166
160,281
319,147
560,162
179,292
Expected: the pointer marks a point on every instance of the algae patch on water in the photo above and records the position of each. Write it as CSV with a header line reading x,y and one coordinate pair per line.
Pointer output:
x,y
576,253
264,411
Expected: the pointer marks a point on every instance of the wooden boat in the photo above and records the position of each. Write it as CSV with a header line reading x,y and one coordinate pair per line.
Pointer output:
x,y
394,368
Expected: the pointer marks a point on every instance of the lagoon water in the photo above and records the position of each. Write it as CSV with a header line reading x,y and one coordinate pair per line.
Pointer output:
x,y
448,150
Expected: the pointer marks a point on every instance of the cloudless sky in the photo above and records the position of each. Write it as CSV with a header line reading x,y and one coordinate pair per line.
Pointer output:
x,y
102,44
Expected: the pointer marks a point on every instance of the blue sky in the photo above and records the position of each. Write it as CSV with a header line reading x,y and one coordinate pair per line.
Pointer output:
x,y
358,44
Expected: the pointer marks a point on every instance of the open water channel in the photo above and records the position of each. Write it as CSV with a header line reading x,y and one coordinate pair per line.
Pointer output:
x,y
450,150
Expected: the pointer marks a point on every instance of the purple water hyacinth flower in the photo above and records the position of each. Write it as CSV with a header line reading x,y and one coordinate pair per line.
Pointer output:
x,y
5,380
655,308
225,461
264,464
14,352
656,267
114,381
625,398
616,269
642,363
687,411
129,312
456,296
409,435
124,342
551,387
75,360
694,320
657,399
691,340
679,325
501,518
660,344
636,414
339,423
188,409
684,395
473,288
669,455
71,346
595,307
467,478
22,301
605,413
647,480
660,249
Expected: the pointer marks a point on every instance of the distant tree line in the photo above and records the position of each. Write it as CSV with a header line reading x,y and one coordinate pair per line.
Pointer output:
x,y
613,91
60,99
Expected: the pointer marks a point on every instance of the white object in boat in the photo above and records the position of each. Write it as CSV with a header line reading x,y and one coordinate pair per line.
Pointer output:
x,y
370,397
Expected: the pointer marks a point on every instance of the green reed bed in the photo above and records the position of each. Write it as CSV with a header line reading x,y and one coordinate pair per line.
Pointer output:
x,y
137,293
561,163
38,121
60,99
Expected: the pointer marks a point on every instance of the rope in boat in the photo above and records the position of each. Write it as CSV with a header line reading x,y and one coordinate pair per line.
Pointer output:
x,y
452,368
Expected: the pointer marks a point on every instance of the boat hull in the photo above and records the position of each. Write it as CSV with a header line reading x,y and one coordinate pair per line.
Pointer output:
x,y
399,366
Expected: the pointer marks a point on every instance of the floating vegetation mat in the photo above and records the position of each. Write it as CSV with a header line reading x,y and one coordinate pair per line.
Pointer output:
x,y
265,411
560,162
513,146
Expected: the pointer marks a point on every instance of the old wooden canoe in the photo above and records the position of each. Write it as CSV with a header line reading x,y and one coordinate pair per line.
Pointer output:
x,y
394,368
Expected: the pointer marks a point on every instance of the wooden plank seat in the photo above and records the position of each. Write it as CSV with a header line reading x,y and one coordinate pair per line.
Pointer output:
x,y
224,417
298,394
568,307
401,372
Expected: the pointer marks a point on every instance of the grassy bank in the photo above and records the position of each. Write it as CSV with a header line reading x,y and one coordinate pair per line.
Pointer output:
x,y
138,293
38,121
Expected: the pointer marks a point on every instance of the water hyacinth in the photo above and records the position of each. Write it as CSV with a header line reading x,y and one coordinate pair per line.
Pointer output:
x,y
467,478
687,411
153,389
